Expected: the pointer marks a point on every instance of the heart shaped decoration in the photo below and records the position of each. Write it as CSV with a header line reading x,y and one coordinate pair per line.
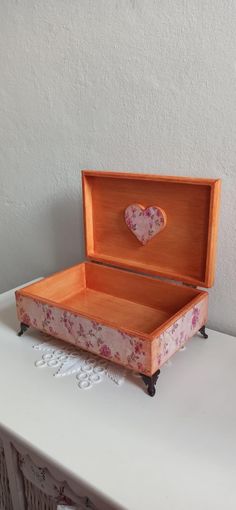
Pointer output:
x,y
145,223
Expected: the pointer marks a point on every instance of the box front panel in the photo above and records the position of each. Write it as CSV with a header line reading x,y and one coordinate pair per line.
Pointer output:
x,y
110,343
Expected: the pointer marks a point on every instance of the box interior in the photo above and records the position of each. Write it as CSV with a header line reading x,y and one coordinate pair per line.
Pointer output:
x,y
117,297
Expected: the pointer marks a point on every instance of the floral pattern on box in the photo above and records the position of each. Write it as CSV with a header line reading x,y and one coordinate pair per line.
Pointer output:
x,y
144,223
176,336
110,343
113,344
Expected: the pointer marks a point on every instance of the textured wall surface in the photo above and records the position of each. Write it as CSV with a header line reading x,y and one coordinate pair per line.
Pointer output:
x,y
133,85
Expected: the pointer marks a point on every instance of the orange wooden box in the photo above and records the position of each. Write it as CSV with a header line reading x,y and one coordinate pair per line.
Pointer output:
x,y
135,225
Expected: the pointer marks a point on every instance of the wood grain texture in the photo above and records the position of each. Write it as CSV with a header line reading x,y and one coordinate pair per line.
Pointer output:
x,y
212,233
184,250
138,288
148,177
58,286
122,312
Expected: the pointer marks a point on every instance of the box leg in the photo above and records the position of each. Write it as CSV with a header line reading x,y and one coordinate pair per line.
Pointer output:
x,y
23,328
202,330
150,382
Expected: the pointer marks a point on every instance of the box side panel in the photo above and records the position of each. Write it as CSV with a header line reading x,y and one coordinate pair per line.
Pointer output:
x,y
130,351
177,335
212,234
58,286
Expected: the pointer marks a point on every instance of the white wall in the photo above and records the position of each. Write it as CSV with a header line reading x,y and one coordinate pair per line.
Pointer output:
x,y
134,85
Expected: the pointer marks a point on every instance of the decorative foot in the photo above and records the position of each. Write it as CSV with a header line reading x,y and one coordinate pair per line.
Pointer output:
x,y
202,330
150,382
23,328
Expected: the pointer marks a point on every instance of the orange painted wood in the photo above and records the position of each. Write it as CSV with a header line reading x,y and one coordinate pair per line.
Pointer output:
x,y
58,286
114,288
213,233
138,304
184,250
121,312
148,177
138,288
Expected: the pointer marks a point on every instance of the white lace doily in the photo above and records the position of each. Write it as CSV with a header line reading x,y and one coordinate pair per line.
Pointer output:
x,y
65,360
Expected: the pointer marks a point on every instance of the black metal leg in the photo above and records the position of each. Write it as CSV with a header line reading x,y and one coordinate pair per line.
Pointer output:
x,y
23,328
202,330
150,381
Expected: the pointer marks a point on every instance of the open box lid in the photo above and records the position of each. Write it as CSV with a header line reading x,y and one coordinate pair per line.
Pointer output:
x,y
175,219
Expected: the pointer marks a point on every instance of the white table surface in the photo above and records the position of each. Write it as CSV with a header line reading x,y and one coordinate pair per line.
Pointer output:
x,y
174,451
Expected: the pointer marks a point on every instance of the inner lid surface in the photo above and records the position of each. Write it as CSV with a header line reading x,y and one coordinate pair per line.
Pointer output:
x,y
183,250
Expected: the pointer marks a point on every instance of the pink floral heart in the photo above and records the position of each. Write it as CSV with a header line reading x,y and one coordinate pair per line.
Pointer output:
x,y
145,223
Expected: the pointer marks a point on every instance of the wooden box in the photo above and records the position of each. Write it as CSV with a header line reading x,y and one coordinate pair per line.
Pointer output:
x,y
135,225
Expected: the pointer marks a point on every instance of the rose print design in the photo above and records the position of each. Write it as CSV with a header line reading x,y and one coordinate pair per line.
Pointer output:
x,y
110,343
144,223
176,336
195,316
138,354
